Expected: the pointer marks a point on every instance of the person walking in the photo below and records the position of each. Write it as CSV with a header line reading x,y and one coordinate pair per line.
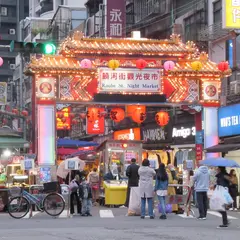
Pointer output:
x,y
161,188
146,175
93,179
233,190
201,180
223,179
133,178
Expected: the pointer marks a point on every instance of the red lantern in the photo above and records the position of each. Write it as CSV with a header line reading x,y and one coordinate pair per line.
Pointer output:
x,y
139,116
117,114
25,113
72,115
141,64
60,115
93,114
63,119
185,107
74,121
82,115
162,118
223,66
15,111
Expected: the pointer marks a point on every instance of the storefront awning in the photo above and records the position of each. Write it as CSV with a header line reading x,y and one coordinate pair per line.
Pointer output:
x,y
223,148
8,142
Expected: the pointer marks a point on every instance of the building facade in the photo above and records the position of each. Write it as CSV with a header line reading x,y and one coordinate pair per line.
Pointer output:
x,y
11,13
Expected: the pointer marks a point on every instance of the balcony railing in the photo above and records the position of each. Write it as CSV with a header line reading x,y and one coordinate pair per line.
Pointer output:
x,y
213,32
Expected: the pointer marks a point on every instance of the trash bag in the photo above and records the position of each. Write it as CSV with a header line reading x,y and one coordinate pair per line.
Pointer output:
x,y
218,199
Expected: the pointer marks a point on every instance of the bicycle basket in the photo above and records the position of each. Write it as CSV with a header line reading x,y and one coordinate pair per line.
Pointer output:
x,y
52,187
15,191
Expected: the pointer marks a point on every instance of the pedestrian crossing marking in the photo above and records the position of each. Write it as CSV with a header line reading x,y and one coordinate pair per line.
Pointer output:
x,y
185,216
106,214
64,214
217,214
33,214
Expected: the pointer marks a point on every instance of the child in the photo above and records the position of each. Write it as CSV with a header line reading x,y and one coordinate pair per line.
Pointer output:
x,y
85,194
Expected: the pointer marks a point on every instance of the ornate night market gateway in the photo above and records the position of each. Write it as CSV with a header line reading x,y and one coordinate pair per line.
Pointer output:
x,y
100,72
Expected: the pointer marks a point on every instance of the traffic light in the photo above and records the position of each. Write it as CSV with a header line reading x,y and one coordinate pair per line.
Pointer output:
x,y
33,47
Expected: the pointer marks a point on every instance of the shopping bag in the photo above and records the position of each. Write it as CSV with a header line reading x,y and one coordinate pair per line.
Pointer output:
x,y
168,208
134,208
228,197
218,200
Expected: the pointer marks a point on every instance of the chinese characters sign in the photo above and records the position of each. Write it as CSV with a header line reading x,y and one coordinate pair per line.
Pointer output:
x,y
116,18
129,80
231,14
64,124
97,126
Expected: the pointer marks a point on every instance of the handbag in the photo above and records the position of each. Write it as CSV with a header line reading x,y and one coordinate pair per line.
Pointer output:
x,y
168,208
162,193
95,187
73,186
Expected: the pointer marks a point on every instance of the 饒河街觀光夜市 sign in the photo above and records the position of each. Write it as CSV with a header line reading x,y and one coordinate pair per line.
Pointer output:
x,y
231,14
130,80
229,120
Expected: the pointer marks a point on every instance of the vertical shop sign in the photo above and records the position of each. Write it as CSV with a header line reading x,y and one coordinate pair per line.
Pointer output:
x,y
97,126
199,155
231,14
116,18
3,93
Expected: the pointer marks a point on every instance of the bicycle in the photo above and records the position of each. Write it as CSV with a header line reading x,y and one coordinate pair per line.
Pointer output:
x,y
18,207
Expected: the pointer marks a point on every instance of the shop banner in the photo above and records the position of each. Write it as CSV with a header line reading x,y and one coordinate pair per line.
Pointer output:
x,y
229,120
3,93
96,126
184,133
130,80
66,124
127,134
153,133
115,18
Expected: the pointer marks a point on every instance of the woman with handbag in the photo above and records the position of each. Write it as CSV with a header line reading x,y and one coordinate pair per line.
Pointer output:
x,y
161,188
93,179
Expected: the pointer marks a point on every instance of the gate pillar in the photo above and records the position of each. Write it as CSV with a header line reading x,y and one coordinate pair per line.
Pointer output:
x,y
210,129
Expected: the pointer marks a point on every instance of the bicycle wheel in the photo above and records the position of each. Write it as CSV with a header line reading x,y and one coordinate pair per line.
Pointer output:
x,y
53,204
18,207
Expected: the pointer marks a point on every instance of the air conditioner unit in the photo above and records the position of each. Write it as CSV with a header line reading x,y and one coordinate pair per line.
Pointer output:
x,y
12,31
12,66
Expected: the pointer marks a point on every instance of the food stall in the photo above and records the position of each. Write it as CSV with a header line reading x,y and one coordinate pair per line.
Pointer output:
x,y
115,156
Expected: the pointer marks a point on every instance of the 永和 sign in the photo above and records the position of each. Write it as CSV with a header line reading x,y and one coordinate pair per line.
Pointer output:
x,y
129,80
231,14
116,18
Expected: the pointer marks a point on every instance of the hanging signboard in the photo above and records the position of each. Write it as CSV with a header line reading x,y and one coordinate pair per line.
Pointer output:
x,y
96,126
3,93
45,87
115,18
130,80
231,14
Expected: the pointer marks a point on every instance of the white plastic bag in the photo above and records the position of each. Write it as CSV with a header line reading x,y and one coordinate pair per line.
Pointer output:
x,y
218,201
134,208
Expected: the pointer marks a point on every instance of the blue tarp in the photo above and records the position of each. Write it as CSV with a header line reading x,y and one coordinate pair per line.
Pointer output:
x,y
69,143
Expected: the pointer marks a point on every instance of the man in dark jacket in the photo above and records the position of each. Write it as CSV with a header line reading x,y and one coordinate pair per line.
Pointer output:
x,y
133,178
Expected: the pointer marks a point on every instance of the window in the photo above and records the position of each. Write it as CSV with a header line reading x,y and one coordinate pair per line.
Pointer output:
x,y
234,87
217,11
4,11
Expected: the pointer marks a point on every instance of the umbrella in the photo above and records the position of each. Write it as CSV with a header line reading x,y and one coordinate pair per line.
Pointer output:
x,y
62,172
220,162
69,143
